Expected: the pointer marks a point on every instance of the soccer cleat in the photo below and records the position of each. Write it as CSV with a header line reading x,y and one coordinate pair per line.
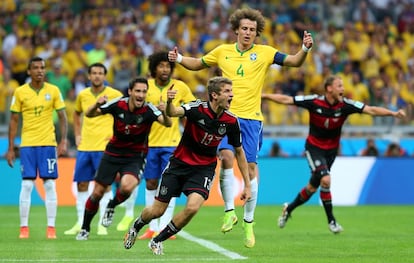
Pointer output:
x,y
124,224
24,232
335,227
148,234
283,218
102,231
108,217
130,237
74,230
229,220
249,239
82,235
51,232
156,247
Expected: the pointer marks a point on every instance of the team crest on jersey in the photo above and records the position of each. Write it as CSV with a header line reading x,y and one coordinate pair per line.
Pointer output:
x,y
163,190
47,96
253,57
139,119
222,129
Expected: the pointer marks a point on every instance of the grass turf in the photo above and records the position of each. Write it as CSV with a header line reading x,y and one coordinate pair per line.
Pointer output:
x,y
371,234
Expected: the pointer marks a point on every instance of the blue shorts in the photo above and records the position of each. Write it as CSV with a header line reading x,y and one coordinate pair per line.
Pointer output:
x,y
252,139
40,160
87,164
157,160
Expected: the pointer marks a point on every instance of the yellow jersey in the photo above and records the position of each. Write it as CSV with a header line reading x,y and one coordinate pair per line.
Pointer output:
x,y
161,136
247,70
36,108
96,131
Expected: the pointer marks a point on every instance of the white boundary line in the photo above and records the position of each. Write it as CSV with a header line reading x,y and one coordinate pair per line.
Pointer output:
x,y
210,245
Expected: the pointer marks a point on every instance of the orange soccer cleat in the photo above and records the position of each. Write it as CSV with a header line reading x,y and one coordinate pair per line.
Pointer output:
x,y
24,232
51,232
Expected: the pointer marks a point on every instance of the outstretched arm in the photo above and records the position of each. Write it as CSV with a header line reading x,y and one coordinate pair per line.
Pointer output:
x,y
279,98
187,62
381,111
298,59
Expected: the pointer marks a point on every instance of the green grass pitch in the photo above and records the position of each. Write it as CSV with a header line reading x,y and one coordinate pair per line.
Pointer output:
x,y
371,234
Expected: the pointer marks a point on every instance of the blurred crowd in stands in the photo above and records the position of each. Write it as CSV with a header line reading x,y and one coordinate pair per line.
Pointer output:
x,y
369,43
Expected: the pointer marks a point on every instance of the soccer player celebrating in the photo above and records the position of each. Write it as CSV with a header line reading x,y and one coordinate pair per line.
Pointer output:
x,y
192,167
125,153
327,115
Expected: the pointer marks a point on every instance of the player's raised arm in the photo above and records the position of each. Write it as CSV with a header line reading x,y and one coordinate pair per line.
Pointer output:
x,y
187,62
171,110
298,59
164,119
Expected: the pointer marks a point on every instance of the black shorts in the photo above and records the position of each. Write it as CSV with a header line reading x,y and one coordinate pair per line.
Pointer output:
x,y
320,162
179,177
110,166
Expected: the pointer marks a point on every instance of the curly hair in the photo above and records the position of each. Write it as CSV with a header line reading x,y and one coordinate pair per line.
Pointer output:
x,y
247,13
155,59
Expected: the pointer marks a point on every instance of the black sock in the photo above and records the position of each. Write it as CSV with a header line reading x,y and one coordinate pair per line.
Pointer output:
x,y
167,232
326,198
303,196
139,223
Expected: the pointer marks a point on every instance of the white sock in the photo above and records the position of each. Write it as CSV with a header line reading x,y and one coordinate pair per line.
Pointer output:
x,y
103,203
250,205
149,200
130,203
226,187
50,201
25,200
168,215
80,205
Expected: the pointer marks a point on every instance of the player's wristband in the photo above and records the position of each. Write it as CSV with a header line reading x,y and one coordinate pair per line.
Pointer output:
x,y
304,48
179,58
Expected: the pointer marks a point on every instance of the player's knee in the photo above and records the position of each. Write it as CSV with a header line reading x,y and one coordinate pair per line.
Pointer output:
x,y
151,184
326,181
226,156
83,186
27,185
49,185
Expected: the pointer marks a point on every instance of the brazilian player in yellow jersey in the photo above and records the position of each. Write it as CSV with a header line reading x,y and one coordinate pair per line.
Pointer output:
x,y
92,135
246,64
35,103
162,140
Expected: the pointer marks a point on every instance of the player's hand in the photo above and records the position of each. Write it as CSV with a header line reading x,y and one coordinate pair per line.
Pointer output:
x,y
102,100
62,148
246,194
307,39
161,105
400,114
11,157
173,54
78,140
171,93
